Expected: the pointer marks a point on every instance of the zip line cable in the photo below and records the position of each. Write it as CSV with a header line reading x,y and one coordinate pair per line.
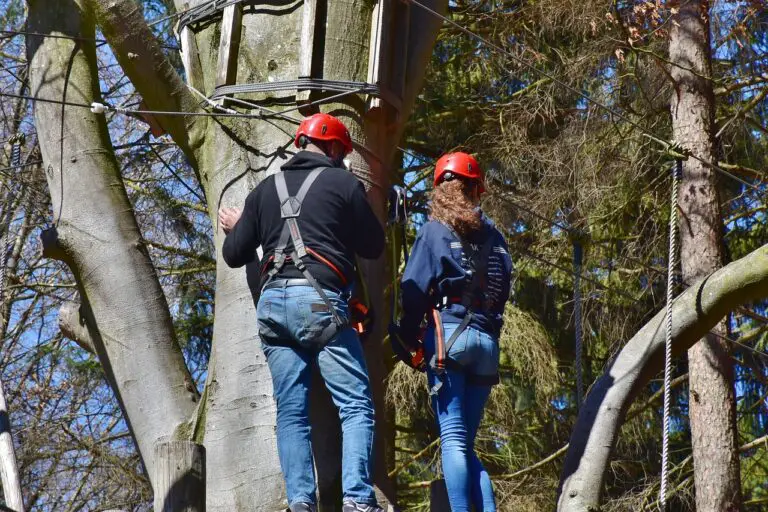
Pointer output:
x,y
10,34
173,15
670,146
100,108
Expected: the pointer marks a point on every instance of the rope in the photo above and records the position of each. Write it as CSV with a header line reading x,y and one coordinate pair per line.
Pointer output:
x,y
672,265
5,240
577,263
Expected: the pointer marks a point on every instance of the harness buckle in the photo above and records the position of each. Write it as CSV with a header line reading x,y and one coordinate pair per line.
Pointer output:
x,y
290,208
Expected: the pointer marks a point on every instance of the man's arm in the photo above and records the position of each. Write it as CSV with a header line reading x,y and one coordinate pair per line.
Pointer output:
x,y
243,239
369,238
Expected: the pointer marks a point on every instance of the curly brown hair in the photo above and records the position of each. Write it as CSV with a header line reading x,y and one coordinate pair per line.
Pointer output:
x,y
452,205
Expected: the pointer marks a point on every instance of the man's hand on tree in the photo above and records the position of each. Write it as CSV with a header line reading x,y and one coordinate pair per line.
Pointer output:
x,y
228,217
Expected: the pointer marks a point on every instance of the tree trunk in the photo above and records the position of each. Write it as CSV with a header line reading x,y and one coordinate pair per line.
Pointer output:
x,y
712,396
696,310
96,233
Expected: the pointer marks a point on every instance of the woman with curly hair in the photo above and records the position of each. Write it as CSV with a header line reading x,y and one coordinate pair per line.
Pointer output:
x,y
458,276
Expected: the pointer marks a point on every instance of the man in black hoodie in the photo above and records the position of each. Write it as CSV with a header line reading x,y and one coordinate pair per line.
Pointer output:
x,y
311,220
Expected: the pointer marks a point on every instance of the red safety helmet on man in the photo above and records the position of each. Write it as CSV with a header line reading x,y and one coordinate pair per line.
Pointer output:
x,y
459,165
326,128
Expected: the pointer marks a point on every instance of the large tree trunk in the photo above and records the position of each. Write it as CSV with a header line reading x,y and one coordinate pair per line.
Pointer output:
x,y
696,310
712,400
236,419
96,233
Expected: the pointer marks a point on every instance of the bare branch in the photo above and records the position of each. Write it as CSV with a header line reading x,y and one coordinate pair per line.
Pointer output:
x,y
72,325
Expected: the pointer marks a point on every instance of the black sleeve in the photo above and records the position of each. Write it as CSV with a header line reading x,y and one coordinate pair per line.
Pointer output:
x,y
369,236
241,243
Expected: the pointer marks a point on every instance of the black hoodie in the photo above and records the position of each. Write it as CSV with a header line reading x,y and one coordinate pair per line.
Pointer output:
x,y
336,221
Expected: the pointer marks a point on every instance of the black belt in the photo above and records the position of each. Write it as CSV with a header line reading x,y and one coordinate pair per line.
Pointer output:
x,y
285,283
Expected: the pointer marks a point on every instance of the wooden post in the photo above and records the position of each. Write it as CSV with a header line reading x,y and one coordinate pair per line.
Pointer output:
x,y
438,497
399,56
229,44
9,469
376,51
190,57
307,48
179,476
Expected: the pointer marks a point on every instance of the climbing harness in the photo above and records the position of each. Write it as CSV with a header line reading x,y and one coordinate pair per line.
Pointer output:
x,y
473,299
360,315
398,216
677,172
290,210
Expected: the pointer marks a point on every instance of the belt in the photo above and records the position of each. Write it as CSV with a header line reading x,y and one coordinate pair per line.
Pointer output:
x,y
285,283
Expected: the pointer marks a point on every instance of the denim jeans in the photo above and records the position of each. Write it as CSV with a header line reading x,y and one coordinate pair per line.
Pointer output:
x,y
290,320
459,406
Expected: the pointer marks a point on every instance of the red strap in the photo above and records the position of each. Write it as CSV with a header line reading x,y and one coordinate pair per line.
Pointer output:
x,y
266,263
358,306
440,341
329,264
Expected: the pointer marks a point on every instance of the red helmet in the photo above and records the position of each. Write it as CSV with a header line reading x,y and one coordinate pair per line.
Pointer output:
x,y
459,164
324,127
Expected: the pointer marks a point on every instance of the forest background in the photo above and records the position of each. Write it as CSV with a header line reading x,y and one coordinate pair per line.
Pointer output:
x,y
564,177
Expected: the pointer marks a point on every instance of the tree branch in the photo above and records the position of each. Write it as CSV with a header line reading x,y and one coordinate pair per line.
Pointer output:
x,y
695,312
141,57
73,326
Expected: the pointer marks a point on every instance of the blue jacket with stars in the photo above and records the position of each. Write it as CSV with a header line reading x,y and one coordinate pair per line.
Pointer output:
x,y
438,268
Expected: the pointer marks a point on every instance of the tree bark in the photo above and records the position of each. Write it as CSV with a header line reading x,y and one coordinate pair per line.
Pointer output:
x,y
712,402
97,235
695,311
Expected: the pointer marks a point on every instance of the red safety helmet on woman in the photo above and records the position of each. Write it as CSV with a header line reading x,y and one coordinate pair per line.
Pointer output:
x,y
326,128
459,165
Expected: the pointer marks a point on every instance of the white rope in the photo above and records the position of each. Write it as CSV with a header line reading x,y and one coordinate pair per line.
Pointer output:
x,y
672,265
5,240
577,263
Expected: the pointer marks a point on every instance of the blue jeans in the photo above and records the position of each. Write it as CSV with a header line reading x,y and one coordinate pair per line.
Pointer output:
x,y
290,320
459,406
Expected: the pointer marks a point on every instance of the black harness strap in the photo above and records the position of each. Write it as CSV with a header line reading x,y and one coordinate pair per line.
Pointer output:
x,y
473,299
290,210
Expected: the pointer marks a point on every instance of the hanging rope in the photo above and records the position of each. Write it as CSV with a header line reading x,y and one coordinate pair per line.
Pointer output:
x,y
578,255
5,240
677,172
